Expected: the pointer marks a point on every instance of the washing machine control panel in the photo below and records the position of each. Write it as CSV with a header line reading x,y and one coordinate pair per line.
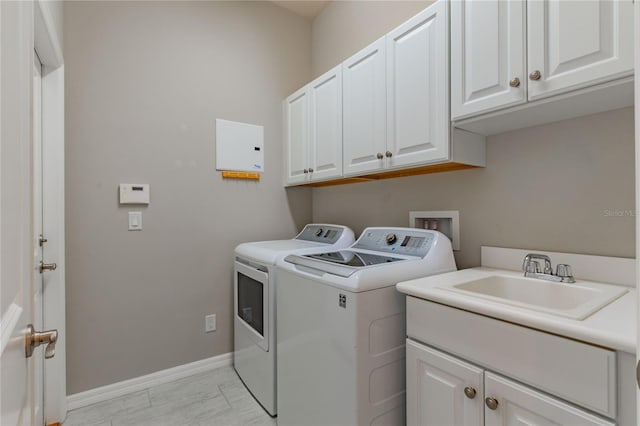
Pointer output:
x,y
328,234
408,241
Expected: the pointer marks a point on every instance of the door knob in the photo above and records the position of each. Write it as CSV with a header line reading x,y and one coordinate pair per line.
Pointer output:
x,y
514,82
379,156
388,154
535,75
47,266
33,339
310,170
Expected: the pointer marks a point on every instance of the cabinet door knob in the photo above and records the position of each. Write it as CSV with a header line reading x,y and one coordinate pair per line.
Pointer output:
x,y
305,171
514,82
388,154
470,392
492,403
310,170
535,75
379,156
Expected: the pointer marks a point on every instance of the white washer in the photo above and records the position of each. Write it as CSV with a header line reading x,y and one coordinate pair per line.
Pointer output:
x,y
341,327
254,356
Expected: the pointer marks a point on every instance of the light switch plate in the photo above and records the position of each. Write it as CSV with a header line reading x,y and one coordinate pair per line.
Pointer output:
x,y
210,323
135,221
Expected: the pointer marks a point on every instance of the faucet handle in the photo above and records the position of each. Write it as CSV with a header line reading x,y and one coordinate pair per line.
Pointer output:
x,y
533,267
528,260
564,271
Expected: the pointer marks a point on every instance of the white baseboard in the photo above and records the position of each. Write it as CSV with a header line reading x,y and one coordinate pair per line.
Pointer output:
x,y
104,393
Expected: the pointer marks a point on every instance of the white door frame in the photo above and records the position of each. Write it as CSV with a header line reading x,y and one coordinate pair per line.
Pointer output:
x,y
637,177
47,45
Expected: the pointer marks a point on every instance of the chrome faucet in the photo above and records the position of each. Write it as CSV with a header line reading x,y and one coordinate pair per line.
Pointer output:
x,y
531,268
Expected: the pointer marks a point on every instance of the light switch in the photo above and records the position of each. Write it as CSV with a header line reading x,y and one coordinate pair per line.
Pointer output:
x,y
135,221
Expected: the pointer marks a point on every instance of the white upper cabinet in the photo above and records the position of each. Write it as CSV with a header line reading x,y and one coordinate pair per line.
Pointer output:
x,y
364,109
384,112
508,53
326,126
313,126
573,44
296,130
488,53
417,82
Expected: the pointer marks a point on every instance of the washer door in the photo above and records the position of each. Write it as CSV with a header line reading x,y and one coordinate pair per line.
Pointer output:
x,y
251,300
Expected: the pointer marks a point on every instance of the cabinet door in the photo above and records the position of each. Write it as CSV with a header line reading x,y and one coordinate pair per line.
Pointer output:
x,y
521,405
296,136
417,95
573,44
487,56
326,125
436,385
364,110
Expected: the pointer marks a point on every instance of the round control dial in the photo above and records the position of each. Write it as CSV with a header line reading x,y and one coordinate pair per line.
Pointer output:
x,y
391,238
319,232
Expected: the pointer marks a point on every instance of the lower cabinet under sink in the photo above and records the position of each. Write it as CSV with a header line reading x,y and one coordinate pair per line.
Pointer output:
x,y
468,369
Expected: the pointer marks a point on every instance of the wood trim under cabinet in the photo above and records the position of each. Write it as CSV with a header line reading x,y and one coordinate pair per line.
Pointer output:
x,y
423,170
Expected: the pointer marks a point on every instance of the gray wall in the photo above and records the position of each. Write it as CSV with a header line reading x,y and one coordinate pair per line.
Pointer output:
x,y
551,187
345,27
555,187
56,7
144,84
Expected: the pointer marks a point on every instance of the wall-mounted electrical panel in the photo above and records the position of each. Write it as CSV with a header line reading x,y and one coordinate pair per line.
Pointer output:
x,y
239,146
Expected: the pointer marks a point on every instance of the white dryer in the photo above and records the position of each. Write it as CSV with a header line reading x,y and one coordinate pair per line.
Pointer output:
x,y
341,327
254,356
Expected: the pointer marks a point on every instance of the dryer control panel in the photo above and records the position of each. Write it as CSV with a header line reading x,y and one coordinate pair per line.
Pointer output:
x,y
328,234
407,241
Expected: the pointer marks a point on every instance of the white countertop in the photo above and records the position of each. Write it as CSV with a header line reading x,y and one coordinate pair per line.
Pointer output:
x,y
613,326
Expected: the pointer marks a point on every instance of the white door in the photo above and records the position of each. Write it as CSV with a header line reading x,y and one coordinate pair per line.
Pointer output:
x,y
37,238
297,137
516,404
364,109
637,146
572,44
325,95
17,392
488,52
442,390
417,89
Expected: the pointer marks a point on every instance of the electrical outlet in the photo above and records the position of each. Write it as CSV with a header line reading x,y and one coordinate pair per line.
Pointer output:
x,y
210,323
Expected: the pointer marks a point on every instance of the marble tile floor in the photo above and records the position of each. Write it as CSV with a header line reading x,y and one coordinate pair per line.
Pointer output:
x,y
217,397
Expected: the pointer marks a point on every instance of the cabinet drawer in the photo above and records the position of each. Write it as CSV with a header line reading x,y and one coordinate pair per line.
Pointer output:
x,y
575,371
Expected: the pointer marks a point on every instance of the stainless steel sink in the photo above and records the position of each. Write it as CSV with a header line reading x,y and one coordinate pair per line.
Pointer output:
x,y
574,301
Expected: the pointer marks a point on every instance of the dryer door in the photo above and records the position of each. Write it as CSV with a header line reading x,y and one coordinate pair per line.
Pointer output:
x,y
251,300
